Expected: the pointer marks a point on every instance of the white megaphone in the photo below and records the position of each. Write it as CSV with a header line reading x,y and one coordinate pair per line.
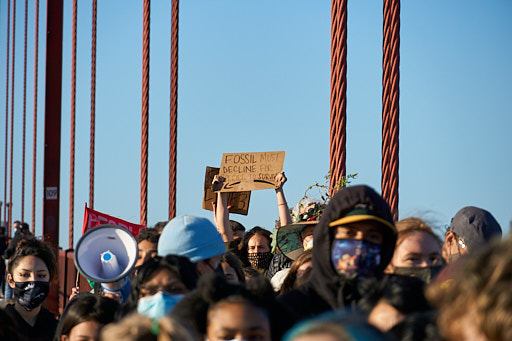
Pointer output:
x,y
106,254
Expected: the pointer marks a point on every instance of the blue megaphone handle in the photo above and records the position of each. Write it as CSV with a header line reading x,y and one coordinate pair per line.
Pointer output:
x,y
123,289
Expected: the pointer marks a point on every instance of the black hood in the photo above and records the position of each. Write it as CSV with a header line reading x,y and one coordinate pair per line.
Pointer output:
x,y
335,289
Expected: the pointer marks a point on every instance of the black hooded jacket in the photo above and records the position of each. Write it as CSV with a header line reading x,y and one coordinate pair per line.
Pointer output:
x,y
326,289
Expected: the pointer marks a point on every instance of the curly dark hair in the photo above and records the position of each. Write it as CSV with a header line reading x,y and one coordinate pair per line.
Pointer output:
x,y
30,246
150,234
159,227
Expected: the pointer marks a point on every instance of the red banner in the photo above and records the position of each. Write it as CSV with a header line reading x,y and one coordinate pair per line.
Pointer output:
x,y
94,218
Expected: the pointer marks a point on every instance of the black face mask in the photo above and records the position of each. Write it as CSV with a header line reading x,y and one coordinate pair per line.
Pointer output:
x,y
426,274
31,294
260,260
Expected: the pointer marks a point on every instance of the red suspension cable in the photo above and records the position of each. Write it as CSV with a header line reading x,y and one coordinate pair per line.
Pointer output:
x,y
338,91
173,129
72,131
24,115
12,109
7,108
93,105
34,142
145,116
390,103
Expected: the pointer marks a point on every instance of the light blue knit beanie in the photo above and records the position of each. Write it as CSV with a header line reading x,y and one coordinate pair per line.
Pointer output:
x,y
193,237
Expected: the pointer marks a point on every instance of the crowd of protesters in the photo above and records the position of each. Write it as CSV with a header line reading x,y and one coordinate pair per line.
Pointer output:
x,y
339,269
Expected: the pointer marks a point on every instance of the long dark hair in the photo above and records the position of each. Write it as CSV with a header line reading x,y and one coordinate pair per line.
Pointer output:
x,y
234,262
244,245
290,280
86,307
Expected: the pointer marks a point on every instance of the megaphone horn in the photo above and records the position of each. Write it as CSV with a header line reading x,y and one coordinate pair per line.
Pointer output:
x,y
106,253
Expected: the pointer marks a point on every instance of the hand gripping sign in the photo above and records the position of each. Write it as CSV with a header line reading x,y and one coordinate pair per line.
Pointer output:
x,y
238,202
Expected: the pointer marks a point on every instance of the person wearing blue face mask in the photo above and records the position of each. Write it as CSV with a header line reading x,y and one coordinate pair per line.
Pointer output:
x,y
160,283
354,242
158,305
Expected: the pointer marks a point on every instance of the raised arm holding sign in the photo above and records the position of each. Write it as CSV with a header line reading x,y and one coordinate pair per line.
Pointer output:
x,y
221,210
282,206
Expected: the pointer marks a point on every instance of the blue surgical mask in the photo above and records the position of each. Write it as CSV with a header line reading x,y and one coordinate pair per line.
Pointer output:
x,y
351,257
157,305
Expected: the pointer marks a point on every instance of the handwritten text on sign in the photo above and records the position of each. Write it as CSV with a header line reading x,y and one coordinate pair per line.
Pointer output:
x,y
238,202
250,171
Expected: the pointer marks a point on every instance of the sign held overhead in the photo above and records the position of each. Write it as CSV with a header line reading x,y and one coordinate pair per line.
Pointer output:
x,y
250,171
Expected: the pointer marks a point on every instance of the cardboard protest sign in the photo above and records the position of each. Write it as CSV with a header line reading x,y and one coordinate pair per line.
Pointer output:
x,y
250,171
94,218
238,202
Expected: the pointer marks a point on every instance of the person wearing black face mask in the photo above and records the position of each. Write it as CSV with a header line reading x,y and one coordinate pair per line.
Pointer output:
x,y
147,242
354,242
255,250
417,251
30,271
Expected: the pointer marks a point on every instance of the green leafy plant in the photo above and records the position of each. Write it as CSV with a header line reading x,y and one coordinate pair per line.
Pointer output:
x,y
314,210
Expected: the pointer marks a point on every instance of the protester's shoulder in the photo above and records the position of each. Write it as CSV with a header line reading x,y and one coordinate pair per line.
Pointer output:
x,y
280,259
304,301
13,314
303,291
9,308
278,263
45,325
47,316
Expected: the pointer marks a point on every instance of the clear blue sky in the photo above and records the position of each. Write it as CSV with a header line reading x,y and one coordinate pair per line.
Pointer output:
x,y
254,76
